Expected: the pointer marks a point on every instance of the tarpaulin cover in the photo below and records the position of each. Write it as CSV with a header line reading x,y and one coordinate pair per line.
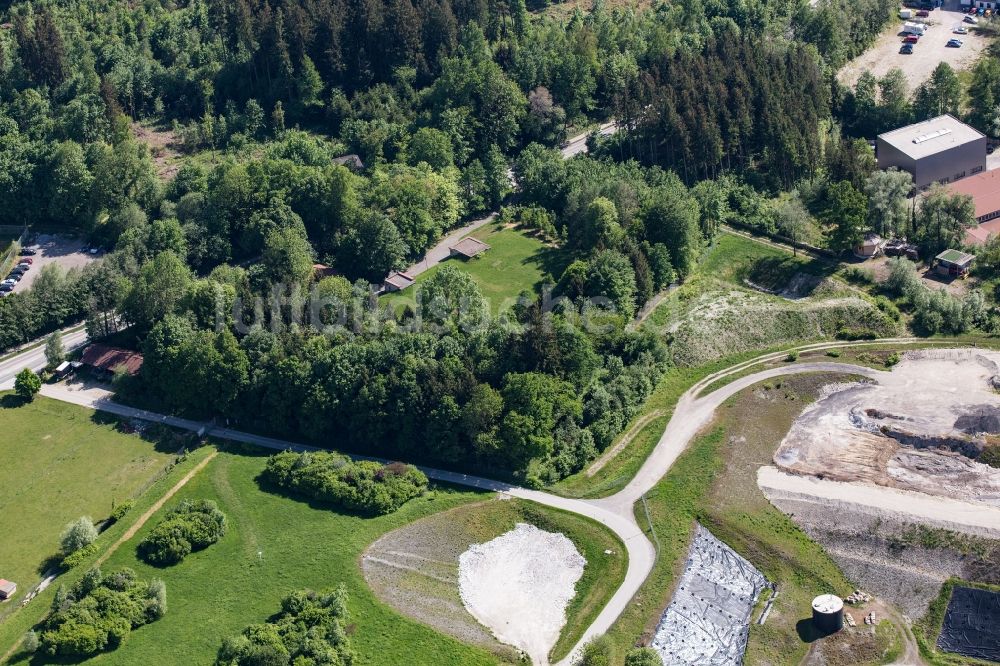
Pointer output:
x,y
972,624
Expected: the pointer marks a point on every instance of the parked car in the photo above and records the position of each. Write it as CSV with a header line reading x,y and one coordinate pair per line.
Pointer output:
x,y
6,288
970,19
906,49
24,266
911,39
9,281
923,13
27,260
954,43
16,273
28,252
960,30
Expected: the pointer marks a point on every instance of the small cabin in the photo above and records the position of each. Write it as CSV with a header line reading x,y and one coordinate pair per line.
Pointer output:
x,y
467,248
870,247
953,263
7,589
104,361
397,281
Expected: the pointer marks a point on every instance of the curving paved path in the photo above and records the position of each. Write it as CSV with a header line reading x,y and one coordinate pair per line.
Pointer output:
x,y
690,415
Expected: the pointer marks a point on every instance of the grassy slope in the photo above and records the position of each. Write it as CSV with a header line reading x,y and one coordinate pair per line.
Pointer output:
x,y
514,263
276,545
60,463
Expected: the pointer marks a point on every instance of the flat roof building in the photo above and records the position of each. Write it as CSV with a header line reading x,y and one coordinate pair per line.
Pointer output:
x,y
939,150
7,589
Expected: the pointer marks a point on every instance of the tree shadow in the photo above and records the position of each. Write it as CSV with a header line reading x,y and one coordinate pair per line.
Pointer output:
x,y
12,401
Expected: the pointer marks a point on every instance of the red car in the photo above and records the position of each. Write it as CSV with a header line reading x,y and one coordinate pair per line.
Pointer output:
x,y
26,260
911,39
923,13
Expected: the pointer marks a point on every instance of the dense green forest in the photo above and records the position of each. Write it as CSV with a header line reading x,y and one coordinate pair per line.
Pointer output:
x,y
212,239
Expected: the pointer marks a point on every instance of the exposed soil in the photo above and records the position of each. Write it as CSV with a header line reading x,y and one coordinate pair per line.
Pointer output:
x,y
161,144
918,428
415,570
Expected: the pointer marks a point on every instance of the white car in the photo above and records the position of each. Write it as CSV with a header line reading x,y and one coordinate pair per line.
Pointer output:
x,y
961,30
970,19
9,282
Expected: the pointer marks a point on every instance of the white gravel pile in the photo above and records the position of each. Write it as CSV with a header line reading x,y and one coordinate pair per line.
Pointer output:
x,y
519,585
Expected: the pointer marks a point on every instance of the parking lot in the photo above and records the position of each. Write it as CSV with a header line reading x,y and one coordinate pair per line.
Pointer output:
x,y
927,53
67,252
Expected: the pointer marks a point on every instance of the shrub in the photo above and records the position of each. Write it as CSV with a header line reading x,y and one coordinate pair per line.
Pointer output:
x,y
596,653
858,275
309,630
888,307
990,456
833,353
792,356
855,333
892,359
366,487
191,526
121,509
78,557
643,656
99,612
78,534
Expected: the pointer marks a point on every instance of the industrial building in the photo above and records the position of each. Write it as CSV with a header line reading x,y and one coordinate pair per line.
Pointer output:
x,y
939,150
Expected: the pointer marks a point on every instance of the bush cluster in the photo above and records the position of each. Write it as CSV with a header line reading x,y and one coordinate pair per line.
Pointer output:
x,y
309,630
98,612
188,527
366,487
935,311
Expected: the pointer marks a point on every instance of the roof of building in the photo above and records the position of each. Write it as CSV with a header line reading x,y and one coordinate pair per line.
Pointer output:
x,y
7,586
930,136
981,233
351,161
322,270
469,247
108,358
984,188
399,280
956,257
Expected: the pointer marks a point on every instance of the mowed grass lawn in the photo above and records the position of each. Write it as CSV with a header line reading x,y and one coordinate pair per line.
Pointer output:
x,y
59,463
514,263
276,545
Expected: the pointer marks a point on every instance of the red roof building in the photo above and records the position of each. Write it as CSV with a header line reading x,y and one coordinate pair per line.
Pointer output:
x,y
984,188
108,359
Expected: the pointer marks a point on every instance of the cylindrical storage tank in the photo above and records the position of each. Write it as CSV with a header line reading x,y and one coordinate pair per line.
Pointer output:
x,y
828,613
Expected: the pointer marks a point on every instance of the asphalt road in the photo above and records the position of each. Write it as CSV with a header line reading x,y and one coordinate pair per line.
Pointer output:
x,y
34,357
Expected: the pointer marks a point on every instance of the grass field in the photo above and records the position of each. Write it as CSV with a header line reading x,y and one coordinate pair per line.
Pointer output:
x,y
714,482
514,263
61,463
276,545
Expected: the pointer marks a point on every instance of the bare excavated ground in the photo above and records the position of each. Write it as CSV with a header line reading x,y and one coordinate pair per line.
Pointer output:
x,y
161,143
919,428
415,570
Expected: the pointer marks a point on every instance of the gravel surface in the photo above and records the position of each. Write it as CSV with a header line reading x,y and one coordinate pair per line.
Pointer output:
x,y
66,252
519,585
927,53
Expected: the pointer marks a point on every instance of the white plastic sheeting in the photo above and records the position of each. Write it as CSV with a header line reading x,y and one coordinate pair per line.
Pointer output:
x,y
708,620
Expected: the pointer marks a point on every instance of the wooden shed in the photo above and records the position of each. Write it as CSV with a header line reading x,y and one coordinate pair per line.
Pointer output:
x,y
7,589
953,263
468,248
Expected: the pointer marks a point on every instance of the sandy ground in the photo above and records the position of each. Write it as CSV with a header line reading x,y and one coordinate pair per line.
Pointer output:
x,y
918,428
519,585
927,53
66,252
